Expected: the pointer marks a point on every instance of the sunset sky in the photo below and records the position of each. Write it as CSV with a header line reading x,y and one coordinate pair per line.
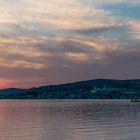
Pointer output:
x,y
58,41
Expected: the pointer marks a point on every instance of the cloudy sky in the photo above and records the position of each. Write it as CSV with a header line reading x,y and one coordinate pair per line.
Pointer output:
x,y
58,41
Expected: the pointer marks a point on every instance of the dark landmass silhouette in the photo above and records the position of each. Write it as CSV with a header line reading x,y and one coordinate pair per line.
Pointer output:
x,y
91,89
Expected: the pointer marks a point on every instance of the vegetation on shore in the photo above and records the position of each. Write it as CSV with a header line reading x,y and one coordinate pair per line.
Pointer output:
x,y
92,89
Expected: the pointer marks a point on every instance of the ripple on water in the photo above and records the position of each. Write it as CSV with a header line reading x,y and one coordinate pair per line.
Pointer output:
x,y
69,120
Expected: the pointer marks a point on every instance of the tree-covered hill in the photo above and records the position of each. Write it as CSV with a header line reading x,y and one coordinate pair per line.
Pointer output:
x,y
91,89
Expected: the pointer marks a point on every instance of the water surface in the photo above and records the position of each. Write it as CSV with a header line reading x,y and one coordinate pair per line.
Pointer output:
x,y
69,120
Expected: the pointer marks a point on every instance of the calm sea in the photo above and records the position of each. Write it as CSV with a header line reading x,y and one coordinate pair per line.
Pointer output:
x,y
69,120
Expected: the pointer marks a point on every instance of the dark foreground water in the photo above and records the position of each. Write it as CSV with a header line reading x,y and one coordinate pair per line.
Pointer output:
x,y
69,120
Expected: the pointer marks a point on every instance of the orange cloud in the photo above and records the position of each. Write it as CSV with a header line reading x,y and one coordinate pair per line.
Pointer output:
x,y
135,27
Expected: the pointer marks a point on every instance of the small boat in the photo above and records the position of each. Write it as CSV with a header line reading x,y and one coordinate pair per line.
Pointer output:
x,y
135,100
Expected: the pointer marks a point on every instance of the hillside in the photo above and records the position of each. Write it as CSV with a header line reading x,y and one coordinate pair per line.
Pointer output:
x,y
91,89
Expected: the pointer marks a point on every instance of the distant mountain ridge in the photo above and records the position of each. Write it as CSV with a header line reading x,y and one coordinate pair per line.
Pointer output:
x,y
90,89
12,90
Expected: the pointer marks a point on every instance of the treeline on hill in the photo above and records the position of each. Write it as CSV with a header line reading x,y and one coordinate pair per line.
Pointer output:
x,y
92,89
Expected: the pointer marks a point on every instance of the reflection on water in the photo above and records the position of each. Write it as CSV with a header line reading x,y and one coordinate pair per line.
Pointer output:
x,y
69,120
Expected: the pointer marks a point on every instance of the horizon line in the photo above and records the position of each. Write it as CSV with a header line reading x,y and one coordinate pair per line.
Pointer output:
x,y
129,79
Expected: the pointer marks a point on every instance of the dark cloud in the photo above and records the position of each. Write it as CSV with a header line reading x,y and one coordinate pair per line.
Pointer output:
x,y
97,30
116,65
62,46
